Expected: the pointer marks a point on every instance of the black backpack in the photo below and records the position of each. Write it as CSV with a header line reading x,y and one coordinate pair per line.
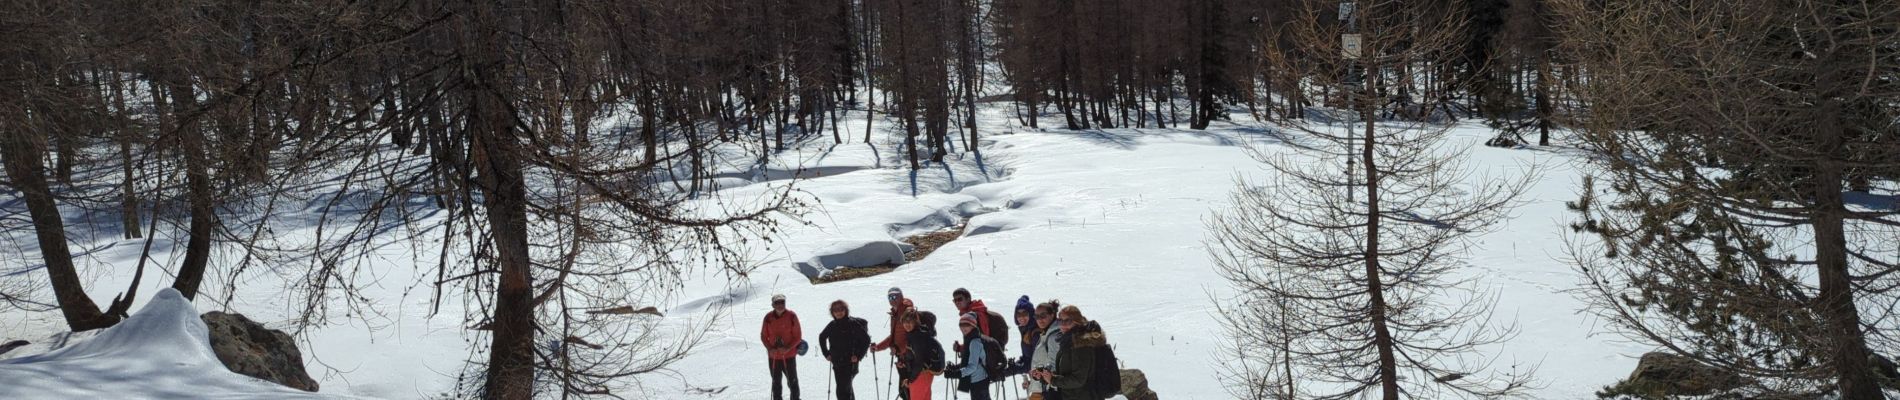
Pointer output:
x,y
999,330
994,362
1107,379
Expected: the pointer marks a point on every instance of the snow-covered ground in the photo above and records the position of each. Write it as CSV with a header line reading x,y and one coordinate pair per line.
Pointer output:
x,y
161,352
1111,221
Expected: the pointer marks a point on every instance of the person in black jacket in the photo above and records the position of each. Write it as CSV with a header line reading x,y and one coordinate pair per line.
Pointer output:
x,y
844,342
918,366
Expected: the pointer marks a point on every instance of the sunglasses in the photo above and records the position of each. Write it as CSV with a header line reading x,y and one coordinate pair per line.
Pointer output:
x,y
896,297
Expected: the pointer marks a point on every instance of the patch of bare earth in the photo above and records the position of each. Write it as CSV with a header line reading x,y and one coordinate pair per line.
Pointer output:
x,y
922,245
927,243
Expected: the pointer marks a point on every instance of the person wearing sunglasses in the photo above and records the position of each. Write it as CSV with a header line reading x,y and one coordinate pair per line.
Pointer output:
x,y
782,335
897,342
1079,372
1043,358
844,342
961,298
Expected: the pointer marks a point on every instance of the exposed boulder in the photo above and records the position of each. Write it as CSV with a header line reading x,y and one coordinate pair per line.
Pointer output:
x,y
1662,375
247,347
1135,385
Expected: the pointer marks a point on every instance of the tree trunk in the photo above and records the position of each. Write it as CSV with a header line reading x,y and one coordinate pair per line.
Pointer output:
x,y
1836,302
128,191
1381,334
649,123
128,195
1543,99
504,198
198,193
24,165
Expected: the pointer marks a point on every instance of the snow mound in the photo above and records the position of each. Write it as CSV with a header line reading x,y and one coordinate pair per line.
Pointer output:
x,y
853,254
161,352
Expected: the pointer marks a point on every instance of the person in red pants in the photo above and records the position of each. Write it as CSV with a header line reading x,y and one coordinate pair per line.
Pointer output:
x,y
781,335
924,361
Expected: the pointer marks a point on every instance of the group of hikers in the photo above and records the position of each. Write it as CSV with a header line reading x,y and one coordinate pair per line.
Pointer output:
x,y
1065,356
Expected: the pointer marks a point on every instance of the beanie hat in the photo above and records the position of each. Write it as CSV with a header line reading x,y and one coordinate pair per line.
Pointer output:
x,y
1023,306
968,319
778,298
895,292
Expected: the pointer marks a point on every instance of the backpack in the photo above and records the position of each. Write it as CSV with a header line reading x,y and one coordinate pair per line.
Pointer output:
x,y
863,335
932,358
999,330
1107,379
995,364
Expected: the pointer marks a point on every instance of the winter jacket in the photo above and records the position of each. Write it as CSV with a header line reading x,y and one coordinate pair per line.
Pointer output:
x,y
925,352
969,367
1031,338
982,316
1075,363
896,341
781,334
1045,355
844,339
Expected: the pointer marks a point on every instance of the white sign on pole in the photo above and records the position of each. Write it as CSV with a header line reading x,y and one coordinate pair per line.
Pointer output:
x,y
1349,45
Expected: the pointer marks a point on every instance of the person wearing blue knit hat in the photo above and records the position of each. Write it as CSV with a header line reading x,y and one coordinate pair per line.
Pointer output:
x,y
1031,334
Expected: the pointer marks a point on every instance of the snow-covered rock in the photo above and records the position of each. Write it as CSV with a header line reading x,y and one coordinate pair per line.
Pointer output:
x,y
853,254
161,352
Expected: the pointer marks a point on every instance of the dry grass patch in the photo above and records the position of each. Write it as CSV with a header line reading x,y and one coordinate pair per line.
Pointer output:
x,y
929,242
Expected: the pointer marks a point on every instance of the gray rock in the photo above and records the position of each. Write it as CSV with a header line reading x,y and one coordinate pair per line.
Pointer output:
x,y
248,348
1135,385
1660,375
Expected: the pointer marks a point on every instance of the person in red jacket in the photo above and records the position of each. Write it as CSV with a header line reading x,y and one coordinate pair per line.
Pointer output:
x,y
781,335
897,341
961,297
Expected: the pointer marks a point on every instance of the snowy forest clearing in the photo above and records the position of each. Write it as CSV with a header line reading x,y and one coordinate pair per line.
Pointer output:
x,y
514,200
1111,221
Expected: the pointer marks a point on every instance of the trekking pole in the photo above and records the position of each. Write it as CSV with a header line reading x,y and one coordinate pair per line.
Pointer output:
x,y
834,376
